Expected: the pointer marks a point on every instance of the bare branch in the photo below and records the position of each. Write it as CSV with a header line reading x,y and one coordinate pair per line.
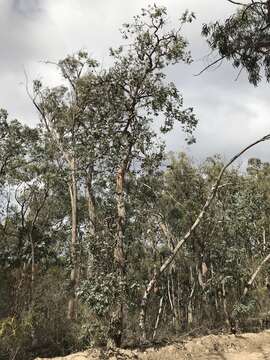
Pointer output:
x,y
210,65
236,3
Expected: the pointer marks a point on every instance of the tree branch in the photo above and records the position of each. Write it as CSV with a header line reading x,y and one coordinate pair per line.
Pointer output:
x,y
210,65
253,277
236,3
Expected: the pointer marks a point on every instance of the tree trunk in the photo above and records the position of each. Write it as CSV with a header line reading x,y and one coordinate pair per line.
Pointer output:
x,y
175,302
116,331
33,268
91,203
158,317
172,305
74,275
189,306
224,302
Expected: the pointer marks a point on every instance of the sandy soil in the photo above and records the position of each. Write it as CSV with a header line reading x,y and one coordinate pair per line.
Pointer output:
x,y
212,347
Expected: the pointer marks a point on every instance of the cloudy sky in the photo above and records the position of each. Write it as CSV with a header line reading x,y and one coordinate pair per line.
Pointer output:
x,y
231,113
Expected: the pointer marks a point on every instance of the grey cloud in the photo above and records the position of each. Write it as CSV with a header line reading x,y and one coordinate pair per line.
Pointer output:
x,y
230,113
27,7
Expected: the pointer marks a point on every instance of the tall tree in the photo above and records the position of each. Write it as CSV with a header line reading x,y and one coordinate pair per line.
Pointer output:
x,y
66,119
139,88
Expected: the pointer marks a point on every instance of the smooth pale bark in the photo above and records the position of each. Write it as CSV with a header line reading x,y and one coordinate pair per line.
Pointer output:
x,y
92,225
74,275
190,298
175,302
264,239
116,331
33,267
171,297
158,317
224,302
183,239
171,301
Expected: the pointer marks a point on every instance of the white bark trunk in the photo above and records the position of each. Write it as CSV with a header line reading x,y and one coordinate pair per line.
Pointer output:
x,y
74,275
158,317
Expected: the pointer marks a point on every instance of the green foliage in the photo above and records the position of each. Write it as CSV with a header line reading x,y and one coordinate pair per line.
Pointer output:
x,y
241,310
244,39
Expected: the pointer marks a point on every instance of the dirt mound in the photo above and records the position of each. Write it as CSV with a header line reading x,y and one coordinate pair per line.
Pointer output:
x,y
212,347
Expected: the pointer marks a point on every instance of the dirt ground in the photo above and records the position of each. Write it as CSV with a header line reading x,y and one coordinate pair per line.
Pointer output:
x,y
212,347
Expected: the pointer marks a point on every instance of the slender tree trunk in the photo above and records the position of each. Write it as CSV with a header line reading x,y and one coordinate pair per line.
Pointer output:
x,y
189,306
178,299
91,203
175,302
170,297
224,302
72,304
32,291
33,268
116,331
144,302
121,219
158,317
264,239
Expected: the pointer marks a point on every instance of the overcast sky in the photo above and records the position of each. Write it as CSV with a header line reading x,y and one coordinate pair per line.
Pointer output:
x,y
231,113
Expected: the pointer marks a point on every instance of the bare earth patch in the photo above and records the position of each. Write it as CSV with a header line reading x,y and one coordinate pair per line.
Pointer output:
x,y
212,347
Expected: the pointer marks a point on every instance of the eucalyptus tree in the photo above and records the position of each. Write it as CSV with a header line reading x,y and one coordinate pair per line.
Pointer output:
x,y
66,118
141,93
